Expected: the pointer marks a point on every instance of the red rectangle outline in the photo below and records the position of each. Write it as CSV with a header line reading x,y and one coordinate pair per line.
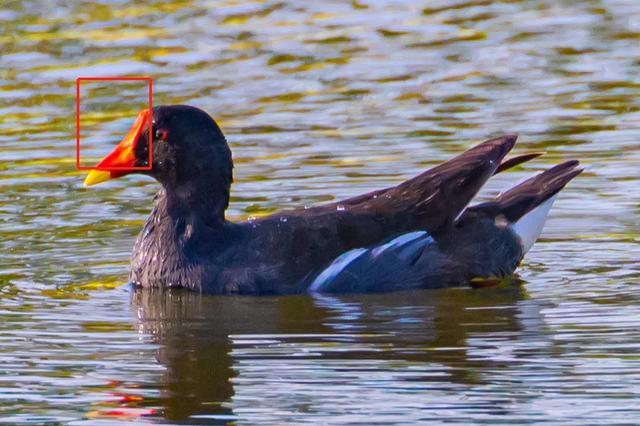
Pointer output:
x,y
149,81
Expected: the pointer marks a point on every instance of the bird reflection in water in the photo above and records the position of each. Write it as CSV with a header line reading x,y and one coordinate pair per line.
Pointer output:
x,y
231,358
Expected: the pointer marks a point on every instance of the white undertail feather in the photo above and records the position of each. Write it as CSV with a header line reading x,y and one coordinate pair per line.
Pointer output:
x,y
529,227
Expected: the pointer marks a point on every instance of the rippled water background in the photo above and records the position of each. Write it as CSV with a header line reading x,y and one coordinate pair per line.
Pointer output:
x,y
320,100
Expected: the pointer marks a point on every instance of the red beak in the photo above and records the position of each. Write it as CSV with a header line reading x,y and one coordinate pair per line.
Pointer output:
x,y
122,159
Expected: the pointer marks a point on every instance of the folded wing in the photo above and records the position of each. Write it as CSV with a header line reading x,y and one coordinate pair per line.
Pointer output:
x,y
487,241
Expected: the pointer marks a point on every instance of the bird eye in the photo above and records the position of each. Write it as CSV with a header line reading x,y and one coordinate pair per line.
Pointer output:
x,y
161,134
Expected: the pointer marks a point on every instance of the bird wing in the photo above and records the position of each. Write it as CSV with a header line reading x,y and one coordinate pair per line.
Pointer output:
x,y
430,201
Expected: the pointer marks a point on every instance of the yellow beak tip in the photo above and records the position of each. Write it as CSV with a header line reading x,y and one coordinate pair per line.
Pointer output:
x,y
95,177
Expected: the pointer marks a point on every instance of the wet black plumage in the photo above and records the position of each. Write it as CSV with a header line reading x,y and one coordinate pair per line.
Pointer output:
x,y
187,242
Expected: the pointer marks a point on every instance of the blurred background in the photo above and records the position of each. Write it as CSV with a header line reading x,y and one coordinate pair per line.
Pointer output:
x,y
320,100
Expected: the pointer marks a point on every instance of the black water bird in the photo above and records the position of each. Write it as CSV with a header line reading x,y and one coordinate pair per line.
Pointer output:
x,y
421,233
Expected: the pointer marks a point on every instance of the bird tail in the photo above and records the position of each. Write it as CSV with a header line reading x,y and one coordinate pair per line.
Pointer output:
x,y
526,205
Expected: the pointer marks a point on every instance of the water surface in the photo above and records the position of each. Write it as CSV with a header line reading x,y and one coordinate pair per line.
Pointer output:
x,y
320,100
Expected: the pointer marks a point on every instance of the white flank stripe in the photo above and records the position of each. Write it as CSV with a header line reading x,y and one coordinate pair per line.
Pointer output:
x,y
335,268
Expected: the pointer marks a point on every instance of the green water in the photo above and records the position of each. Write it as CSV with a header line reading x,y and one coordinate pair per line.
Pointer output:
x,y
320,100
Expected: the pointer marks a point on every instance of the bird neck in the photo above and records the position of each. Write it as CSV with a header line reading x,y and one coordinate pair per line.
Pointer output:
x,y
200,200
185,227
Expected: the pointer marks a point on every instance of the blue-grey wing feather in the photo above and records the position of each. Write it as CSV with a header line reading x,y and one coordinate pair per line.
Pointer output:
x,y
390,266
